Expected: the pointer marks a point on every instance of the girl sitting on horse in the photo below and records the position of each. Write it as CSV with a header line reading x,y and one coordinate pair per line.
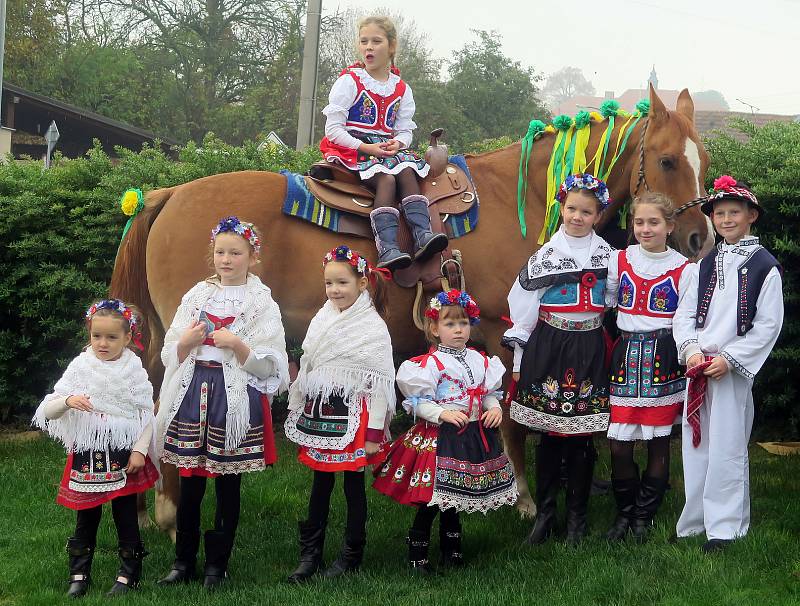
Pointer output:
x,y
451,460
557,306
368,130
101,409
225,357
647,384
341,403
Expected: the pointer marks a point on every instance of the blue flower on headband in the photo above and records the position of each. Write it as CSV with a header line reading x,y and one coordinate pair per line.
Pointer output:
x,y
245,230
588,182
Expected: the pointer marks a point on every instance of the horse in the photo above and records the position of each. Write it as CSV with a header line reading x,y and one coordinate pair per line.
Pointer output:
x,y
165,251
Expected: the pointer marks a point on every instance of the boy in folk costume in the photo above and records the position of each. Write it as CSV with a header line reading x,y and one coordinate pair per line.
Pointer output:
x,y
725,328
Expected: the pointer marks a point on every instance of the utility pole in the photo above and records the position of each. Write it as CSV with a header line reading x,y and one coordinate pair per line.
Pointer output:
x,y
2,47
308,81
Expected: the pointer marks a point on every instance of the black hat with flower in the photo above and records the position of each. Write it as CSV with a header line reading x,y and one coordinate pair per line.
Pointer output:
x,y
728,188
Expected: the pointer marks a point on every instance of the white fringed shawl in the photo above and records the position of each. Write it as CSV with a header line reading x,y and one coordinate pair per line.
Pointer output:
x,y
258,325
122,400
349,354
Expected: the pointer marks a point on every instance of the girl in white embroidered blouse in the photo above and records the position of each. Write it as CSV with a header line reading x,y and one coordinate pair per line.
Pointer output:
x,y
225,358
368,130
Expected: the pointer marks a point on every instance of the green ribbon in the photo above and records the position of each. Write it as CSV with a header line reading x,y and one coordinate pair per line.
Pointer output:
x,y
535,128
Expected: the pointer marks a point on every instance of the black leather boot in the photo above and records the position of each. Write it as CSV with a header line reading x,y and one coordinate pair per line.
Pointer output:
x,y
418,544
312,542
580,463
426,243
625,492
385,223
651,493
130,570
218,547
184,567
80,567
548,482
450,545
350,557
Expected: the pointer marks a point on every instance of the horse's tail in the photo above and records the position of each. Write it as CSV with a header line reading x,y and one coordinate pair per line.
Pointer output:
x,y
129,280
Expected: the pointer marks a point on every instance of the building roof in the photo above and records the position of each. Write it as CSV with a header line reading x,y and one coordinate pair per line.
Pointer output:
x,y
708,123
628,101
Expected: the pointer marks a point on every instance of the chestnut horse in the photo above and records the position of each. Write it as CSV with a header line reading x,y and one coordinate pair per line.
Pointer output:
x,y
165,251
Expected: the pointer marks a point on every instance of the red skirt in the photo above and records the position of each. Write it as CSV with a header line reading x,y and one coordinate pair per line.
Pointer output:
x,y
352,458
135,483
407,475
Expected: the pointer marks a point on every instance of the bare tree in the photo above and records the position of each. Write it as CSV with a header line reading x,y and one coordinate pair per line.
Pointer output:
x,y
565,84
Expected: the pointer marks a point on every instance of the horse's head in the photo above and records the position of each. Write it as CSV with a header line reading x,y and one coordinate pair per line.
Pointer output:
x,y
674,162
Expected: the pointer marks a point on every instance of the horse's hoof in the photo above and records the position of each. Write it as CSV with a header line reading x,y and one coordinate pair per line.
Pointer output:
x,y
526,508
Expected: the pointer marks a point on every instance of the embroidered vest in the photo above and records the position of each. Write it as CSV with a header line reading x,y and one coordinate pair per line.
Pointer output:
x,y
653,297
576,291
751,275
372,111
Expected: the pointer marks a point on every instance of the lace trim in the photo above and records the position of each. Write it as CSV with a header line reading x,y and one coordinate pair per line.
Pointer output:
x,y
738,366
674,398
95,488
475,504
686,344
304,439
380,168
653,265
221,468
508,342
572,425
384,89
630,432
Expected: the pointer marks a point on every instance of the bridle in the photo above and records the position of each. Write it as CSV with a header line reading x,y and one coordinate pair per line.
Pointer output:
x,y
643,178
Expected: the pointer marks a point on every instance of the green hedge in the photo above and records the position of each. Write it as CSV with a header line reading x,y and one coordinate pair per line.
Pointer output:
x,y
770,162
60,230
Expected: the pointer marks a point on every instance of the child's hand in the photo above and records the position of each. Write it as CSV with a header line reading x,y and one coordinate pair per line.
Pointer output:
x,y
135,462
492,417
79,403
374,149
695,360
515,376
225,339
455,417
371,448
193,336
717,369
391,147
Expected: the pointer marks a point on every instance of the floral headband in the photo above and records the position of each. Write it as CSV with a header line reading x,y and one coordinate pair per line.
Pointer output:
x,y
588,182
451,298
122,309
233,225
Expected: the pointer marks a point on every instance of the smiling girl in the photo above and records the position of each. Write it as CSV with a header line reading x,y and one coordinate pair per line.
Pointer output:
x,y
556,306
342,403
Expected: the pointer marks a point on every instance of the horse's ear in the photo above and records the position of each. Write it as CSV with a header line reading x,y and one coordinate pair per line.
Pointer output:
x,y
658,110
686,105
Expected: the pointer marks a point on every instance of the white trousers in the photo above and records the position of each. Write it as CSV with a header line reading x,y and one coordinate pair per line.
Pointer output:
x,y
716,474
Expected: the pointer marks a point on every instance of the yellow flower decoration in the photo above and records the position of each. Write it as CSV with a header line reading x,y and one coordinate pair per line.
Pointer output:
x,y
131,202
550,128
596,116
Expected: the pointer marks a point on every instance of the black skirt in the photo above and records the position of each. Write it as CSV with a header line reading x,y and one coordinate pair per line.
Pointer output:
x,y
563,385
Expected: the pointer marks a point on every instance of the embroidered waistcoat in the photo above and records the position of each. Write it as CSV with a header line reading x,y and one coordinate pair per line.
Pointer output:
x,y
654,297
371,111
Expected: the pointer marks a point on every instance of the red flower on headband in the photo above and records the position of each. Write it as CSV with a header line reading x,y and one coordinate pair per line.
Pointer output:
x,y
724,182
589,279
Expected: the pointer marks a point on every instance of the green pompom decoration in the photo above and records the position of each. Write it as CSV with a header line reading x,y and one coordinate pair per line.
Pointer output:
x,y
643,107
562,122
535,128
582,119
609,108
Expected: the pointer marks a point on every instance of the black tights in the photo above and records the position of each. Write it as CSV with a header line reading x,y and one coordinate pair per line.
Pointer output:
x,y
126,519
386,187
623,465
228,489
320,501
448,522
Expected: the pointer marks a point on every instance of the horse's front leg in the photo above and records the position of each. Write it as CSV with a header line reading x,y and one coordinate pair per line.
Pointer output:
x,y
514,436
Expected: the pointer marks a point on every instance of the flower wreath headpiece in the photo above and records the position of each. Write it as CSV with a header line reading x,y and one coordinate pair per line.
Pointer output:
x,y
454,297
347,255
588,182
123,310
233,225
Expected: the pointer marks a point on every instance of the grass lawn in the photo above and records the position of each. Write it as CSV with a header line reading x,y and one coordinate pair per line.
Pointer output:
x,y
759,569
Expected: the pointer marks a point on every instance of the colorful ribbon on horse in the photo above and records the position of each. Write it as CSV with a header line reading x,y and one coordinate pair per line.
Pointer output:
x,y
535,129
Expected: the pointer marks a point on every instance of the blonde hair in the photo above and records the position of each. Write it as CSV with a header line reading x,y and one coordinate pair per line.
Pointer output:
x,y
447,311
388,27
663,202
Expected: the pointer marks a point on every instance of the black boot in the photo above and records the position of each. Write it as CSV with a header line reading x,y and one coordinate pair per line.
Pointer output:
x,y
385,222
580,463
426,243
312,541
548,481
450,546
218,546
350,558
625,492
80,567
651,493
130,570
184,567
418,543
